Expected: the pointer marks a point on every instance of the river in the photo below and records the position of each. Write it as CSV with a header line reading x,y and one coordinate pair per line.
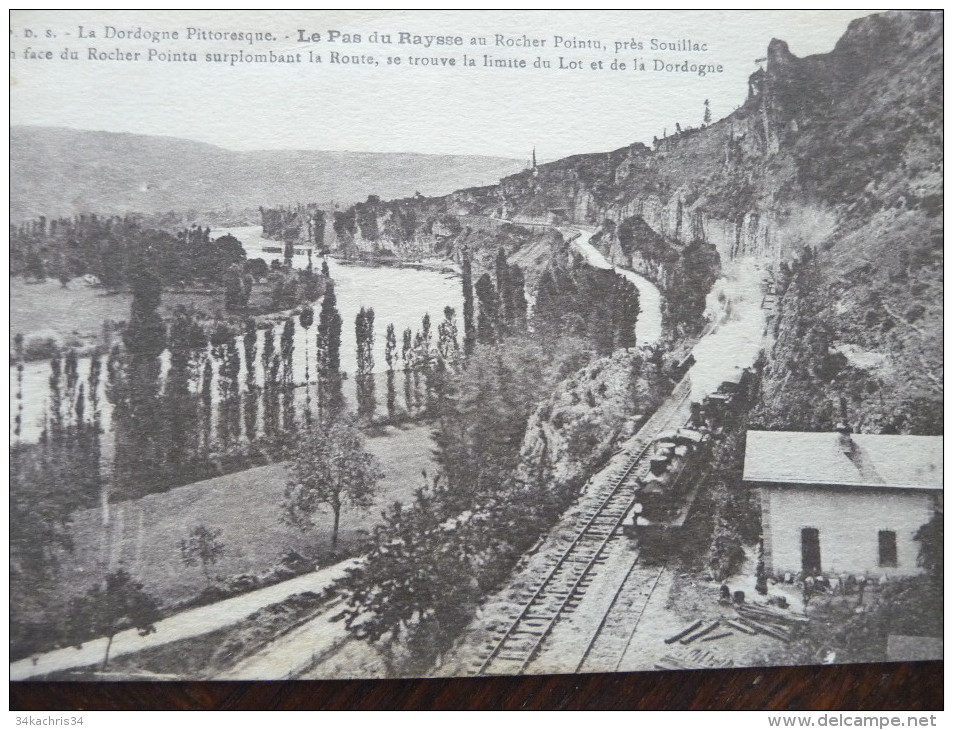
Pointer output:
x,y
401,296
398,295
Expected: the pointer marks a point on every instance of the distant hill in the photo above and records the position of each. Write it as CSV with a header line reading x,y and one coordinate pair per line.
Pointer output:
x,y
57,171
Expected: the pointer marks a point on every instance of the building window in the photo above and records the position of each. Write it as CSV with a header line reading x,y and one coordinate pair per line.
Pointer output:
x,y
810,551
887,542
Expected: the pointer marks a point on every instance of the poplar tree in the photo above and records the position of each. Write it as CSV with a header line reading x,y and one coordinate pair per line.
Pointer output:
x,y
329,333
469,331
390,355
518,305
287,359
447,345
364,332
250,344
407,354
307,319
503,292
488,319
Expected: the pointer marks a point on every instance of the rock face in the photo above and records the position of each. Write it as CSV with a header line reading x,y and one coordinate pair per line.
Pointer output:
x,y
574,431
684,271
840,153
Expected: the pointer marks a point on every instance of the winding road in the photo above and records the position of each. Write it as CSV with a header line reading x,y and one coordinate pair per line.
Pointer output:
x,y
184,625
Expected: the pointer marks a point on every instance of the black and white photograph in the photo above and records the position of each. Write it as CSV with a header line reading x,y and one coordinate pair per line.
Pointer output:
x,y
399,344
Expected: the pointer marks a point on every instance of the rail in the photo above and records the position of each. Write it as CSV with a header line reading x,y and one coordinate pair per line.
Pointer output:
x,y
564,583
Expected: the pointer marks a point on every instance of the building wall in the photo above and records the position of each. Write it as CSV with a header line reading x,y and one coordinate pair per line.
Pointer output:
x,y
848,522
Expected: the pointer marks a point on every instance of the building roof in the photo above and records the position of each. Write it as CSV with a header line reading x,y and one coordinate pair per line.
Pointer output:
x,y
872,460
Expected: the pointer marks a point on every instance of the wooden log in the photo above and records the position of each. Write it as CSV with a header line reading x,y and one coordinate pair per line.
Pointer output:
x,y
698,634
683,634
722,635
769,630
766,618
772,613
742,627
668,662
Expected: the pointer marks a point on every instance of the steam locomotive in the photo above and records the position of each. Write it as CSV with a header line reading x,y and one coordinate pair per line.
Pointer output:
x,y
681,458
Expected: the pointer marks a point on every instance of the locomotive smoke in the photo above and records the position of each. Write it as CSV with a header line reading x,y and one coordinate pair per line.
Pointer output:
x,y
734,307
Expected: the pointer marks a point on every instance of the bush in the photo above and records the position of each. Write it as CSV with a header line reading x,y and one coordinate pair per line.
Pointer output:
x,y
41,345
726,553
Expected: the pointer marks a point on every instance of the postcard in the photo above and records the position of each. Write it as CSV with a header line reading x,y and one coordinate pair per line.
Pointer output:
x,y
352,344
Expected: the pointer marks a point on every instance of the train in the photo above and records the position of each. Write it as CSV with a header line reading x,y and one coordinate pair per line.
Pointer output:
x,y
681,458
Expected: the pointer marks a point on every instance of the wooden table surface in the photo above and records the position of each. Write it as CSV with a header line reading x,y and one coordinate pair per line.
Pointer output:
x,y
906,686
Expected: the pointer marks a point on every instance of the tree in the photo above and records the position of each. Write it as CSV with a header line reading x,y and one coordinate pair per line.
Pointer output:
x,y
419,580
145,334
518,305
330,469
287,373
626,313
706,119
488,320
447,345
390,355
407,349
364,331
289,253
221,254
390,352
330,395
469,331
238,286
202,547
118,604
329,334
930,537
257,268
503,291
307,319
250,346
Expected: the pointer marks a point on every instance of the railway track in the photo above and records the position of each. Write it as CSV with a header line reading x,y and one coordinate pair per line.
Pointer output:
x,y
614,634
560,590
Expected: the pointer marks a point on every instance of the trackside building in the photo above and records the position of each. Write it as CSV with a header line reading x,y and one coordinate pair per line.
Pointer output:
x,y
843,503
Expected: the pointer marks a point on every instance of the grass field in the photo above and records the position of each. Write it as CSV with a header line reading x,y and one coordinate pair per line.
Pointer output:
x,y
78,309
75,314
143,535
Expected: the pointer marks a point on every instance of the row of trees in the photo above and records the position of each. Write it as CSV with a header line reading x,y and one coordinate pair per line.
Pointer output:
x,y
595,304
117,249
169,425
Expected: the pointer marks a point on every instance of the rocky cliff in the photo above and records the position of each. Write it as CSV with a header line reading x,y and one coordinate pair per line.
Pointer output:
x,y
839,153
575,430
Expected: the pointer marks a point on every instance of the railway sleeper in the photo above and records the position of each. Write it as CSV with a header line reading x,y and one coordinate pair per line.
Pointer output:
x,y
512,658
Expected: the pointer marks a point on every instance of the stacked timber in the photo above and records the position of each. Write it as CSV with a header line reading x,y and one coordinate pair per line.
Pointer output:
x,y
768,621
698,658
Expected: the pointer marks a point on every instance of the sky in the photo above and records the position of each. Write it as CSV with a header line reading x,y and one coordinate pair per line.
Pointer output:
x,y
386,108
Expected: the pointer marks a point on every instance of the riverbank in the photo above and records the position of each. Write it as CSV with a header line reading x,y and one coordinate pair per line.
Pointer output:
x,y
439,265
